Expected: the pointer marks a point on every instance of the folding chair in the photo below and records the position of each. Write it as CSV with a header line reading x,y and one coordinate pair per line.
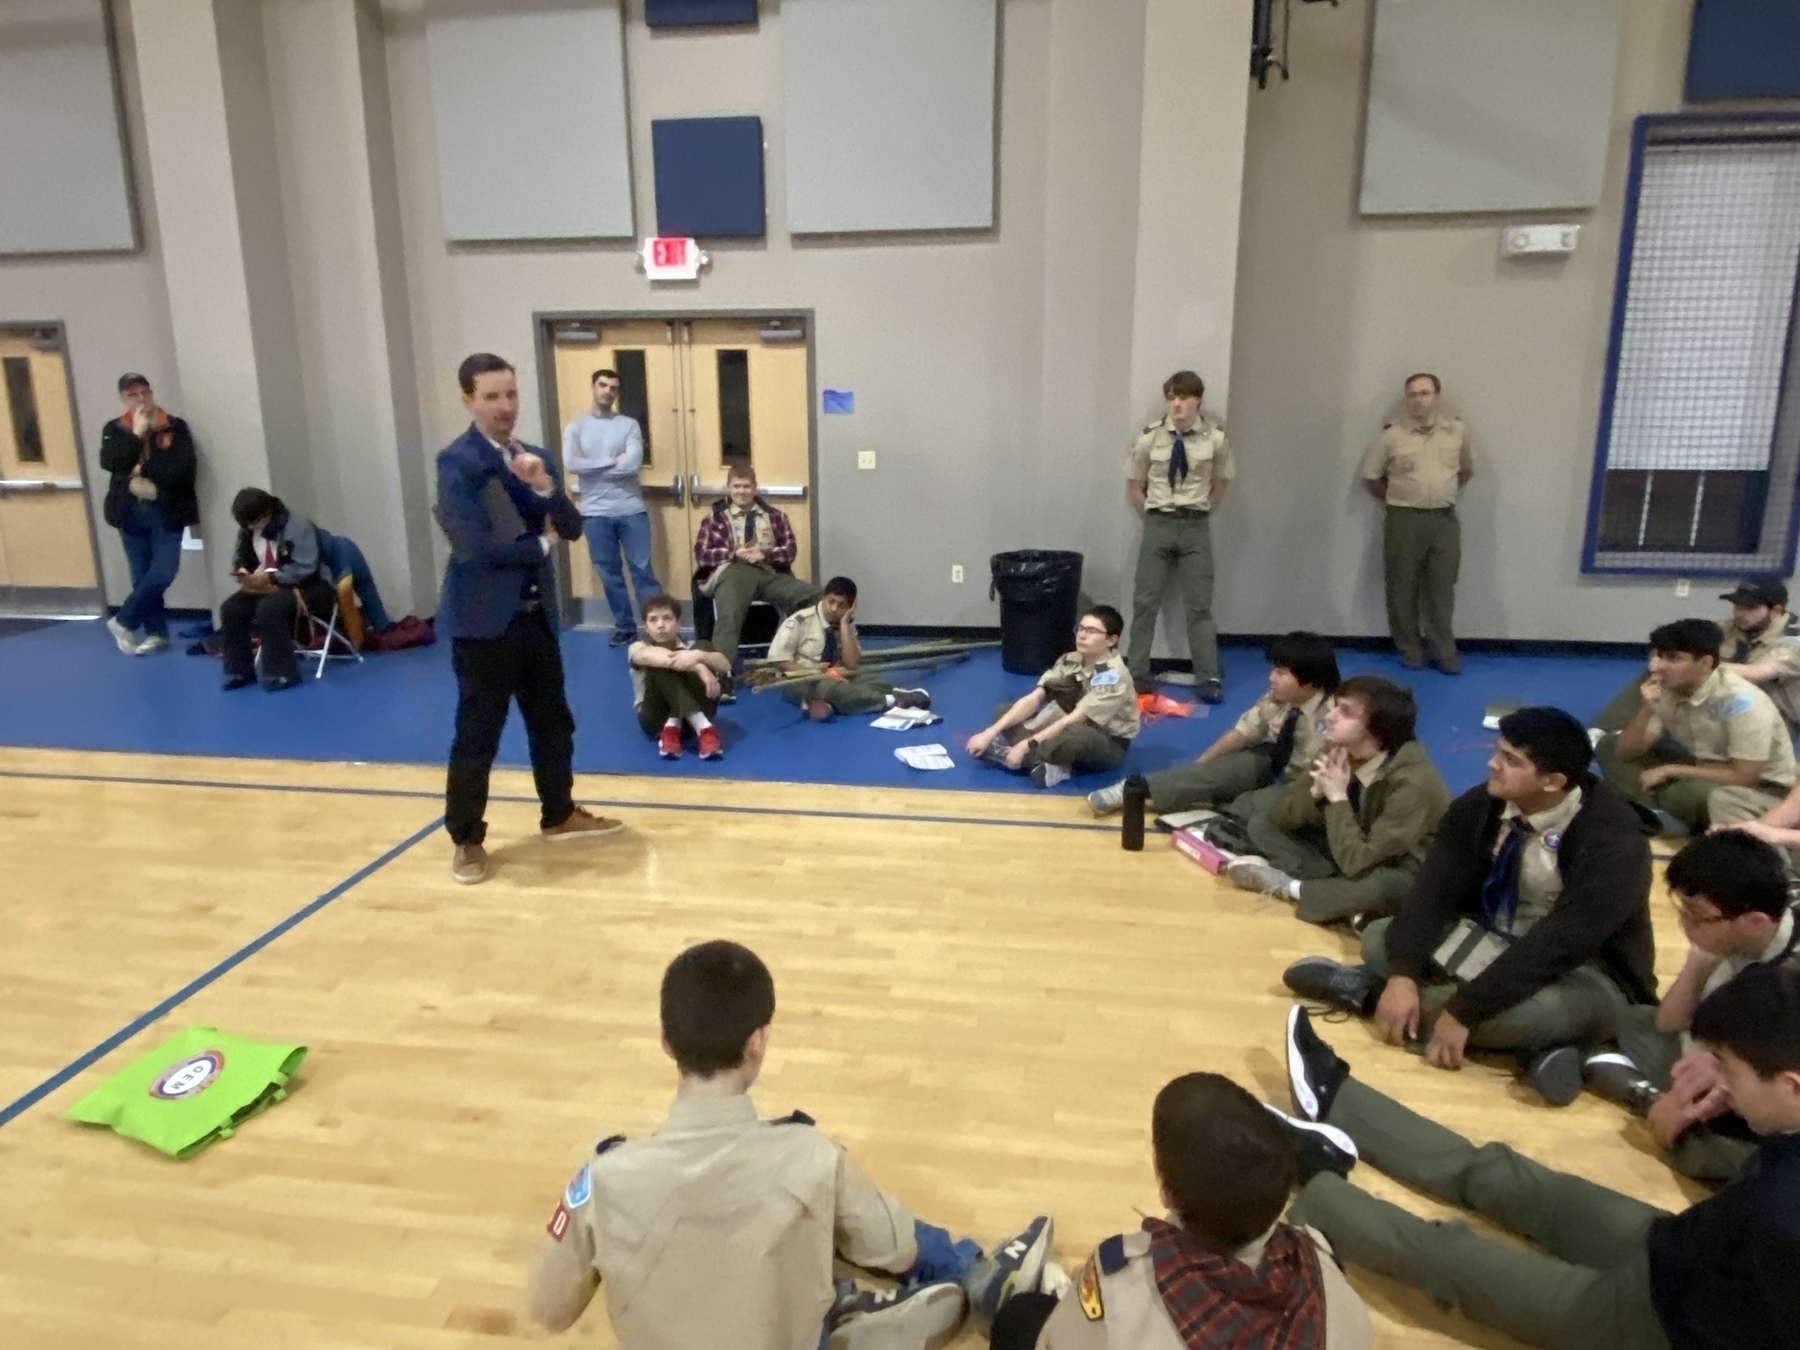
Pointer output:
x,y
343,627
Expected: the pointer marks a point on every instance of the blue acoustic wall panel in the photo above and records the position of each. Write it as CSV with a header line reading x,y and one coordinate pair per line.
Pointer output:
x,y
709,176
1744,49
698,13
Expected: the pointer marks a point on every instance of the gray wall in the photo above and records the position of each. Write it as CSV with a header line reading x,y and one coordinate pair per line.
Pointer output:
x,y
1334,310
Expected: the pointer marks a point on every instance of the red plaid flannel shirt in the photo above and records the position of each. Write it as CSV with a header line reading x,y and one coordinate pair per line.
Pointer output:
x,y
713,546
1217,1303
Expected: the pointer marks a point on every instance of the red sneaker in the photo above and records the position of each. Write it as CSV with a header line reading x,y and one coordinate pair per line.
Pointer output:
x,y
669,743
709,744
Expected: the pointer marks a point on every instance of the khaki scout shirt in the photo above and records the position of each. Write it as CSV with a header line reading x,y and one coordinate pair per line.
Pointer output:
x,y
637,671
765,532
801,636
1540,882
1123,1310
718,1230
1728,718
1780,948
1783,650
1208,455
1261,725
1422,464
1104,692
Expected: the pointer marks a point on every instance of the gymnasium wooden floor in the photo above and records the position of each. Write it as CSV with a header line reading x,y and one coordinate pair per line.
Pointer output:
x,y
978,995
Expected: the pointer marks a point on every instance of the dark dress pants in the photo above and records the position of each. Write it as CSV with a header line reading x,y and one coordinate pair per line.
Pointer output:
x,y
272,618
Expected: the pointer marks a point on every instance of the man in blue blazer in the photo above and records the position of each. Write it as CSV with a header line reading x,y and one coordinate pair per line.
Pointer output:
x,y
502,507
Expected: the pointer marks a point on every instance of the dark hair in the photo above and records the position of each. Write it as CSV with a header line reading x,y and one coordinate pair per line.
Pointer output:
x,y
841,586
1110,619
1307,657
1688,637
252,504
667,602
1736,873
1551,739
1756,1016
131,380
1437,385
1390,713
1228,1165
595,377
714,998
1184,384
482,363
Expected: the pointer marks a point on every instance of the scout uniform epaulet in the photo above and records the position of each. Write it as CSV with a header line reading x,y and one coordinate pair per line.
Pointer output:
x,y
795,1118
1152,427
611,1141
1111,1254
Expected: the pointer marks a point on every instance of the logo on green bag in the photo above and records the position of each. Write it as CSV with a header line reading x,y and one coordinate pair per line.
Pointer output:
x,y
191,1076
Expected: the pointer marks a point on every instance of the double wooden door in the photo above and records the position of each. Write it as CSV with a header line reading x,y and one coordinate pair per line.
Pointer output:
x,y
710,393
46,538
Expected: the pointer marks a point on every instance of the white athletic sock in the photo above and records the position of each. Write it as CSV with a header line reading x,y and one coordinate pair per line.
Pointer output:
x,y
673,722
1293,890
890,702
698,721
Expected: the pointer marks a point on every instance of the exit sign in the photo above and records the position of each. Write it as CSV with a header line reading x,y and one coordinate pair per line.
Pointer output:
x,y
669,258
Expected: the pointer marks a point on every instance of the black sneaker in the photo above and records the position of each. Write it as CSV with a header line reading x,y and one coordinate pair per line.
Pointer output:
x,y
1320,1147
622,637
1354,989
1618,1079
1315,1072
912,698
1555,1074
1210,691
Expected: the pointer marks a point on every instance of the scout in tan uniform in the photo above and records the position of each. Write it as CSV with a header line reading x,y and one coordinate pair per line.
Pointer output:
x,y
1222,1269
720,1229
1082,716
1175,476
1705,745
823,637
1759,646
1345,841
1416,466
1283,728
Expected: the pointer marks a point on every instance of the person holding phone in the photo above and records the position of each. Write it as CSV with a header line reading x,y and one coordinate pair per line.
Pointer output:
x,y
279,582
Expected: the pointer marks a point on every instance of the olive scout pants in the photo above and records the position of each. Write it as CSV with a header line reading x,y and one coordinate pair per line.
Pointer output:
x,y
1179,542
1422,554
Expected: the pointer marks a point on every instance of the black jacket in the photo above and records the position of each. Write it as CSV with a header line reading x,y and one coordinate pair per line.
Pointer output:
x,y
169,463
1603,914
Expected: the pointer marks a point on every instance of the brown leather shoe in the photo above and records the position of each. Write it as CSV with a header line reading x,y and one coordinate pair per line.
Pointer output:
x,y
583,824
1412,660
1450,665
469,864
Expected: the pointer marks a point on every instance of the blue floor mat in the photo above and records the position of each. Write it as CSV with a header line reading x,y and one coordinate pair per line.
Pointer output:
x,y
66,686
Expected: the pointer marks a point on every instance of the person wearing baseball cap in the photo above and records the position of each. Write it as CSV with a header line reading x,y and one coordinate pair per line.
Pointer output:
x,y
1759,646
150,501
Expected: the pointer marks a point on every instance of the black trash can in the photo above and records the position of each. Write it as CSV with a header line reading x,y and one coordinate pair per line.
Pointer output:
x,y
1039,590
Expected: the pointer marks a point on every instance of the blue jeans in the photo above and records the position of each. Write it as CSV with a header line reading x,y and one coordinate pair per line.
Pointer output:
x,y
342,555
154,552
606,537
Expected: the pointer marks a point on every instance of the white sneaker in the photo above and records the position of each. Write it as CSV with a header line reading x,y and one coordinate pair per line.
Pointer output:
x,y
1104,801
1049,775
122,635
1251,873
156,642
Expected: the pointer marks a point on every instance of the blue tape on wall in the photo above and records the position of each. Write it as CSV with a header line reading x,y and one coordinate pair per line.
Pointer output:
x,y
709,177
1744,49
698,13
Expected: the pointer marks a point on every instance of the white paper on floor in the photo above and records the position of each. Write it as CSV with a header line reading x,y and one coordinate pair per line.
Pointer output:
x,y
924,757
904,719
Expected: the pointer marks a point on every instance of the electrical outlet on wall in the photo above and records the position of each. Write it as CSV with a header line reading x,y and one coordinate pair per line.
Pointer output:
x,y
865,459
1682,587
956,574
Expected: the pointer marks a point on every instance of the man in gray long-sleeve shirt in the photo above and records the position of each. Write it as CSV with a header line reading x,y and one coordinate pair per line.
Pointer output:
x,y
605,449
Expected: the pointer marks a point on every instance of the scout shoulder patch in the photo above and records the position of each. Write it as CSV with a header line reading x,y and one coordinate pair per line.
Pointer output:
x,y
1087,1290
558,1227
1104,679
580,1189
1736,706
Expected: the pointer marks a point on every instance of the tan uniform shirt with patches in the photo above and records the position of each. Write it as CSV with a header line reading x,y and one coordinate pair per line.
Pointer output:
x,y
718,1230
1730,967
765,532
801,636
1423,465
1261,725
1728,718
1208,455
1780,648
1103,692
637,671
1540,883
1125,1311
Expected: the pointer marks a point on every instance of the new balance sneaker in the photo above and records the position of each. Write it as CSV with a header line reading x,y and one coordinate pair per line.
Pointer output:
x,y
123,636
1315,1071
1555,1074
710,748
668,742
1354,989
1251,873
1015,1266
912,698
583,824
1104,801
1618,1079
1046,775
1320,1147
895,1319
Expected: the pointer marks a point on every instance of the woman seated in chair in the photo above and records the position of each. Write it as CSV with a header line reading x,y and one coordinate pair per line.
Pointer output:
x,y
280,583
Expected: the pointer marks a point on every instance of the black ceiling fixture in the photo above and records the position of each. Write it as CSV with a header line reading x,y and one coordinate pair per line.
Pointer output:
x,y
1262,38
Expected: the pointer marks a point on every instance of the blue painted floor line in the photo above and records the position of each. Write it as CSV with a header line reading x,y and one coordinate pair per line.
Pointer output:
x,y
201,981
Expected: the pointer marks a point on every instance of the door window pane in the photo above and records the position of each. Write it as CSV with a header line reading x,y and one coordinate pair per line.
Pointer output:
x,y
22,399
734,406
634,392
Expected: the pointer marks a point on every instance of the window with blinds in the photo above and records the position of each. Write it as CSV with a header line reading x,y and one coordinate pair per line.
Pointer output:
x,y
1700,421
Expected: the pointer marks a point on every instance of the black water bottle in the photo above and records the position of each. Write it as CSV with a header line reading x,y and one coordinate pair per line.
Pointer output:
x,y
1131,829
